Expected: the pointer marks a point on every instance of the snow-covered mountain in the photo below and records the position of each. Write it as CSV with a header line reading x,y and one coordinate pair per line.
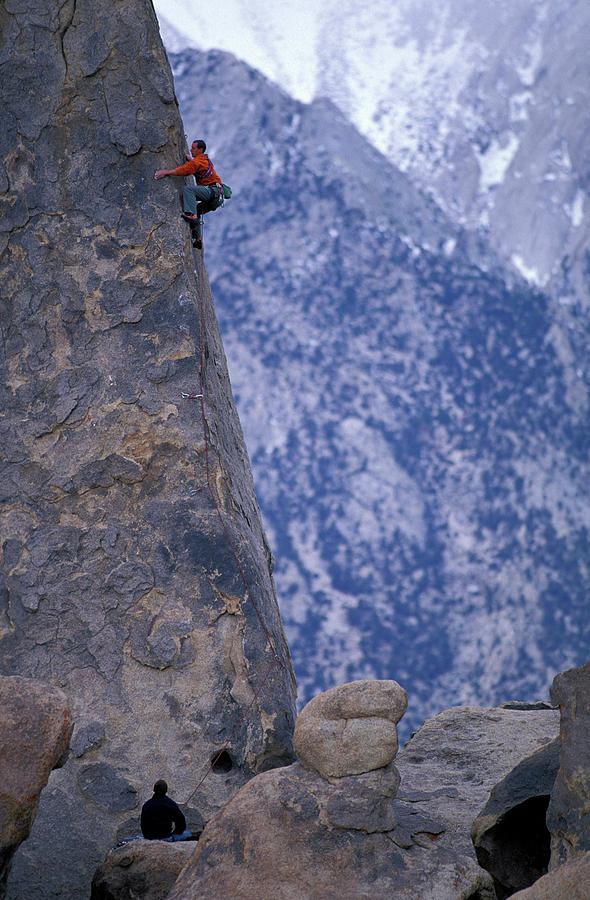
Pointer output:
x,y
416,414
483,104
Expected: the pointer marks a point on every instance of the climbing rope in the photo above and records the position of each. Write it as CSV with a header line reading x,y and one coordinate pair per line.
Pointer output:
x,y
236,729
276,660
207,485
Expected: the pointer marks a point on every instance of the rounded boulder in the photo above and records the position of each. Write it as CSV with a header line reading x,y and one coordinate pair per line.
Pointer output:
x,y
350,729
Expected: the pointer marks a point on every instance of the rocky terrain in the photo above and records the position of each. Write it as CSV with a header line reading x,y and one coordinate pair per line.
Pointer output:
x,y
416,416
134,571
482,105
135,575
350,819
146,869
35,727
458,814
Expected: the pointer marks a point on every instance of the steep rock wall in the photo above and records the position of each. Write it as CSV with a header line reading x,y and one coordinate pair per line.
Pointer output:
x,y
120,578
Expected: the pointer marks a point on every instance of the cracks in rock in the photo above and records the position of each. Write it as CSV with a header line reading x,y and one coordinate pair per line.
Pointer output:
x,y
59,427
25,227
232,605
64,30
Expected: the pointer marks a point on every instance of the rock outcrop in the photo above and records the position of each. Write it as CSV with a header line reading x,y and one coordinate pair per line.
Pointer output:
x,y
350,729
537,817
568,816
567,882
510,834
146,869
135,573
452,763
294,832
35,730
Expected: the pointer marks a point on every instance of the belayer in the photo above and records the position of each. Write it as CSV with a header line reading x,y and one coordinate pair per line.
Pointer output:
x,y
209,190
161,817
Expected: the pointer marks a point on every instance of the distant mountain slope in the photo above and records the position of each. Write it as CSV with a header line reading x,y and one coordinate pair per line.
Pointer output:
x,y
417,424
483,104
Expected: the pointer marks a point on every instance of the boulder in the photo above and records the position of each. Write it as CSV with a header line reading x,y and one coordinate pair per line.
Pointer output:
x,y
568,816
35,730
510,834
134,569
146,869
454,760
294,832
350,729
287,834
571,881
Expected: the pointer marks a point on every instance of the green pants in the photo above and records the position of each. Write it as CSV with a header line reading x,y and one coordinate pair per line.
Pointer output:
x,y
208,197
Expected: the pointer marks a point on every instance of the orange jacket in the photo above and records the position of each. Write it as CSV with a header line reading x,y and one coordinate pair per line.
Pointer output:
x,y
202,168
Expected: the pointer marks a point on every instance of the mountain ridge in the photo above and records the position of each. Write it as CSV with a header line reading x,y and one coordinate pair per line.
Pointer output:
x,y
482,105
413,410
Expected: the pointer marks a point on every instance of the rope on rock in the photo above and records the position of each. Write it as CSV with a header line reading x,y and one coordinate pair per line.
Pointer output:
x,y
207,485
237,728
276,660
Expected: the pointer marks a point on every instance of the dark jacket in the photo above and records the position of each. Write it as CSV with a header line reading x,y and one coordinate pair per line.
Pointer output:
x,y
157,817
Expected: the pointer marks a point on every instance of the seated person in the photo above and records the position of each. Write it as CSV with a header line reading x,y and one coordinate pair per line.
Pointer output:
x,y
161,818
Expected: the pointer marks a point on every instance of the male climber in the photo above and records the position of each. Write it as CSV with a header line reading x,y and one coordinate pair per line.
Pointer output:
x,y
161,817
208,190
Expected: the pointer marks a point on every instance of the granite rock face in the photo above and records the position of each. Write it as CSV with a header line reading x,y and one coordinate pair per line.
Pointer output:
x,y
568,816
35,730
284,835
350,729
567,882
146,869
292,832
452,763
537,817
125,508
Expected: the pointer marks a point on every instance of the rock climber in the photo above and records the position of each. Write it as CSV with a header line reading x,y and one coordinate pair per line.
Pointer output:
x,y
161,817
208,190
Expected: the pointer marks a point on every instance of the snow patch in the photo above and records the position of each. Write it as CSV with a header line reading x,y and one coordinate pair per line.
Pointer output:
x,y
495,161
275,159
528,69
575,210
279,39
531,274
518,105
409,243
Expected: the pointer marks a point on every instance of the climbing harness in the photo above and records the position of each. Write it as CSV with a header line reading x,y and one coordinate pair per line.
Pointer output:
x,y
220,188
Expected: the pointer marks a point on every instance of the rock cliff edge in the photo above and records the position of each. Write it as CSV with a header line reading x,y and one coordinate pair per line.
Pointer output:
x,y
125,507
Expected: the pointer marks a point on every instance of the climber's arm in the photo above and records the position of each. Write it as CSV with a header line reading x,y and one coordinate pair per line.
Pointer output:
x,y
188,168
